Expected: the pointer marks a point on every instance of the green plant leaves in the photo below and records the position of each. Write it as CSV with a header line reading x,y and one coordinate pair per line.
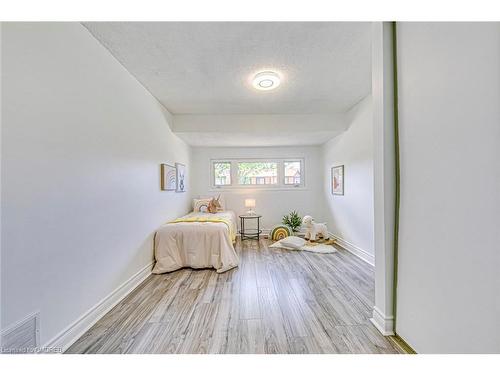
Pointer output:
x,y
293,220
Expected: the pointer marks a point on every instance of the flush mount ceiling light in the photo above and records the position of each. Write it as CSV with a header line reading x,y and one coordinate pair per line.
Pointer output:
x,y
266,81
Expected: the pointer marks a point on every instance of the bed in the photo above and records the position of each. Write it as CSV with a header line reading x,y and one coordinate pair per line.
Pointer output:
x,y
197,240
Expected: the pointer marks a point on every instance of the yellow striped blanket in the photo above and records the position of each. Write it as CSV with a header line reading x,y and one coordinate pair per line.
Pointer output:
x,y
207,219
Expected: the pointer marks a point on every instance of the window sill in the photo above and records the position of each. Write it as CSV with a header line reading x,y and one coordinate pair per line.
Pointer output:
x,y
258,188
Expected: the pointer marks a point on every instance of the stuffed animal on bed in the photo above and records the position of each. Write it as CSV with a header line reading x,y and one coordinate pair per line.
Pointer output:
x,y
313,229
214,205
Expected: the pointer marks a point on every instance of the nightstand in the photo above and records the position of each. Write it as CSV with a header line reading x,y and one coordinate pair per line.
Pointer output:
x,y
250,234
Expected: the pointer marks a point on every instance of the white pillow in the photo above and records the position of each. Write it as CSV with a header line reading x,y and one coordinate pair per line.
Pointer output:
x,y
293,242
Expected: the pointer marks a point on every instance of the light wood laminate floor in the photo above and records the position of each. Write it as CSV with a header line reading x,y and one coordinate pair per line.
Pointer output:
x,y
277,301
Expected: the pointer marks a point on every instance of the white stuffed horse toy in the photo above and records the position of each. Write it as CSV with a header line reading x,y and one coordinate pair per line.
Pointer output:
x,y
313,229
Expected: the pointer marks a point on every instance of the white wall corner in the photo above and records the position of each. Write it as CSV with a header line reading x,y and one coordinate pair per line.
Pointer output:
x,y
383,174
75,330
385,324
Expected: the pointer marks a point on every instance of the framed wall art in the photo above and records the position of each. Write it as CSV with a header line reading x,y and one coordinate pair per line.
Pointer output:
x,y
181,177
168,177
338,180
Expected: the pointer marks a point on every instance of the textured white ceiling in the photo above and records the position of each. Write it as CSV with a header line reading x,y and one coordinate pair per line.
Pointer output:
x,y
205,68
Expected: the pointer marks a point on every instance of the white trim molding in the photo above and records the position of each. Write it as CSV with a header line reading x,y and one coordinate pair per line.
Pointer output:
x,y
385,324
353,249
384,172
280,177
75,330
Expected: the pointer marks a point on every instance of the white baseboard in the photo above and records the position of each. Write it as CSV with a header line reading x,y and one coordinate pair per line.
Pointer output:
x,y
360,253
76,329
385,324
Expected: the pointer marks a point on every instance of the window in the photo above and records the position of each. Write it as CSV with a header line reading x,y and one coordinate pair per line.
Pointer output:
x,y
258,173
222,173
292,172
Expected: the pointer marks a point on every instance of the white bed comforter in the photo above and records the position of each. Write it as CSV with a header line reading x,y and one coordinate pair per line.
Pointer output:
x,y
197,244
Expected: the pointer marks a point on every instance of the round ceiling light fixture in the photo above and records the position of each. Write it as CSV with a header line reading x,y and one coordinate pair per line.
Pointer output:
x,y
266,81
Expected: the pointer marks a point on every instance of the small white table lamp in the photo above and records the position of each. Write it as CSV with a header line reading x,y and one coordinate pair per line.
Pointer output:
x,y
250,204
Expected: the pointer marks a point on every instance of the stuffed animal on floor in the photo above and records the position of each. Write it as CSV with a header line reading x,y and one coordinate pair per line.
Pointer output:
x,y
214,205
314,229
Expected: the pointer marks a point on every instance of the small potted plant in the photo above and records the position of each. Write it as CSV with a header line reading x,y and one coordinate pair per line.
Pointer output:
x,y
293,220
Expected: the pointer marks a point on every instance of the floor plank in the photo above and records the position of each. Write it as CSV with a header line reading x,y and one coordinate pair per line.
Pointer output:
x,y
277,302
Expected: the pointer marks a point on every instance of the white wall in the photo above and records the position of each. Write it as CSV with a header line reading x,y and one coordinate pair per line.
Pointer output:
x,y
82,141
271,204
448,298
252,130
350,216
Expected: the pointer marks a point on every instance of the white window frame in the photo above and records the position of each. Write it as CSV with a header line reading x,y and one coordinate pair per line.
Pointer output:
x,y
212,173
301,161
281,174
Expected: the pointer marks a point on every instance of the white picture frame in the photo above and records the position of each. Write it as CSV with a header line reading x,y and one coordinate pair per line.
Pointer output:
x,y
168,177
181,178
338,180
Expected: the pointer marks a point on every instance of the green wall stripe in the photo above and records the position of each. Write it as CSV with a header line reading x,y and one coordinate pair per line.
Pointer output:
x,y
396,167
